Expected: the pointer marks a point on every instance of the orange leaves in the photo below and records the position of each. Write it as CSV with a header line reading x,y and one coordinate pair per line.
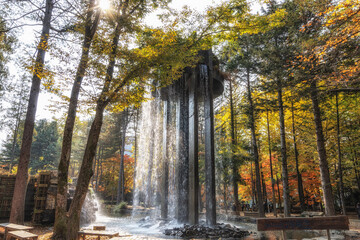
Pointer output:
x,y
110,174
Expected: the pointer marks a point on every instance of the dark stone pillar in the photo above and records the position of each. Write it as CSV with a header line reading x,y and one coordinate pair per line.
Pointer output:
x,y
165,159
193,150
206,76
182,149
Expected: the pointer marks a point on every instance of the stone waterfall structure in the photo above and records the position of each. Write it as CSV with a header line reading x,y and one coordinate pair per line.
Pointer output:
x,y
176,190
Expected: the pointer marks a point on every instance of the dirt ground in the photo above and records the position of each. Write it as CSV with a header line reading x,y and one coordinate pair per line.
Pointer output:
x,y
45,232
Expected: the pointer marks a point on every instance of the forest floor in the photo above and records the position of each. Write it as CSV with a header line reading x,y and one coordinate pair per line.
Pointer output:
x,y
354,233
45,233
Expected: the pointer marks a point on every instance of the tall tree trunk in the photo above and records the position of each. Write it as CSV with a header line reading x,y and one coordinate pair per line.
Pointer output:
x,y
73,221
15,135
18,201
341,182
298,174
98,168
324,168
253,197
279,195
121,181
91,23
235,177
271,165
135,147
354,160
260,203
101,160
285,177
86,172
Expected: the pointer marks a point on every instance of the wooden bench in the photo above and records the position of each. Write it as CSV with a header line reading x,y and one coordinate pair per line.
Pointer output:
x,y
120,237
13,227
251,214
301,223
97,233
311,214
99,227
22,235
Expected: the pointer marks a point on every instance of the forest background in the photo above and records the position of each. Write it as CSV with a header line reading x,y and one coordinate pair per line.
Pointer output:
x,y
291,101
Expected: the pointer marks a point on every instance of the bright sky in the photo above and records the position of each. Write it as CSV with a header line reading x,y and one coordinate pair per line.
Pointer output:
x,y
45,98
199,5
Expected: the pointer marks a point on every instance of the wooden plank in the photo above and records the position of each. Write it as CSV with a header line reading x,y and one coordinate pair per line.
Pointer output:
x,y
12,226
120,237
98,233
318,223
43,185
311,214
99,227
251,214
22,235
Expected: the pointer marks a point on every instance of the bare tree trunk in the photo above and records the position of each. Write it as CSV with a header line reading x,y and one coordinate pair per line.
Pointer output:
x,y
225,197
285,177
18,201
135,147
279,195
298,174
91,23
263,184
341,182
271,165
354,161
86,172
121,182
97,168
253,198
324,168
15,135
235,177
101,166
260,203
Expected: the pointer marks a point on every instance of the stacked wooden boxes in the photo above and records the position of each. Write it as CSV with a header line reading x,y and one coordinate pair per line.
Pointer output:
x,y
42,186
44,207
7,185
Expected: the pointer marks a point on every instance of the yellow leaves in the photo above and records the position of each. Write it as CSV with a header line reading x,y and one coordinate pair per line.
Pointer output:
x,y
43,44
343,19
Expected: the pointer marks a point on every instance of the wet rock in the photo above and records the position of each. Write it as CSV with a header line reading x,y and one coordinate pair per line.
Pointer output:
x,y
223,231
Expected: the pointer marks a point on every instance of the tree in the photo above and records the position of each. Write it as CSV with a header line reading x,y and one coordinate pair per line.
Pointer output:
x,y
45,150
233,150
14,120
341,182
7,41
136,66
309,69
296,153
91,22
245,62
121,182
18,202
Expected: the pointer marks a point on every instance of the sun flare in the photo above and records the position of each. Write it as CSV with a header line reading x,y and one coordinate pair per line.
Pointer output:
x,y
104,4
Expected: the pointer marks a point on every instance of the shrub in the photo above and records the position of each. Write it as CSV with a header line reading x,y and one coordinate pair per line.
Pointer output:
x,y
119,207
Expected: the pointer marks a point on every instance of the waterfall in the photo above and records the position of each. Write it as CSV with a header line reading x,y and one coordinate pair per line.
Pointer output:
x,y
147,193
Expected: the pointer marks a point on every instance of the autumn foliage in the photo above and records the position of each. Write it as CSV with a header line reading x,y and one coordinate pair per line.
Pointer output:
x,y
108,179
